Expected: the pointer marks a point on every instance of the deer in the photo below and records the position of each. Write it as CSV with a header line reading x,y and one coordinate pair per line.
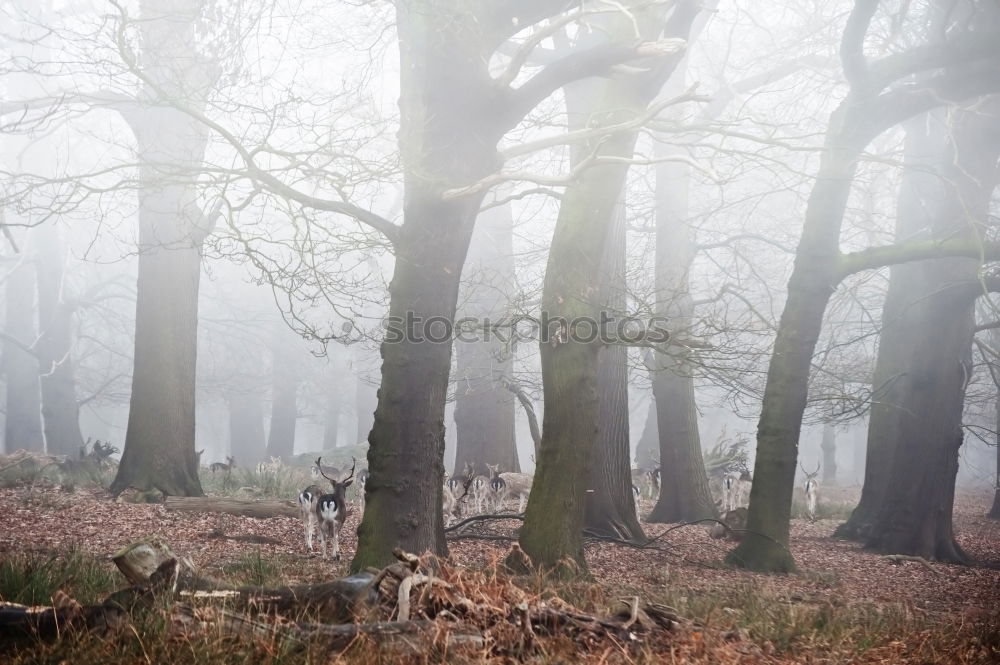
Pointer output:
x,y
448,502
226,466
480,490
735,489
518,484
308,498
812,491
653,477
498,487
332,510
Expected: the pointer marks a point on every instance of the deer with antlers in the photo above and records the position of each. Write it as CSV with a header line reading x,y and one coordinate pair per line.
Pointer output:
x,y
327,511
812,491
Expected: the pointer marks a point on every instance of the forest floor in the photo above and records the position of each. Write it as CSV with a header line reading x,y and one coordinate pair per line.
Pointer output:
x,y
845,605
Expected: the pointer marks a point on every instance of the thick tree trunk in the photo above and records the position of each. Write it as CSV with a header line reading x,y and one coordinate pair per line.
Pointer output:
x,y
915,517
918,192
553,521
246,428
23,426
60,410
159,441
610,508
828,446
484,408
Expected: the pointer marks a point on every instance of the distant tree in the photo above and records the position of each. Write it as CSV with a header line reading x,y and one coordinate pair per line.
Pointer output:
x,y
22,424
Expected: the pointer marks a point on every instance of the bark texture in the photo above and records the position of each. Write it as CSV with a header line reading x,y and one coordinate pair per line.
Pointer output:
x,y
552,530
915,516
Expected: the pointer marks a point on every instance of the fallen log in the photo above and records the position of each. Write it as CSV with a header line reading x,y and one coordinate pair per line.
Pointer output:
x,y
243,507
23,621
398,637
341,599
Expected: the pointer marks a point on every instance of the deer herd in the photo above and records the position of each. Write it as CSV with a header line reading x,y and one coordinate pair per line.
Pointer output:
x,y
470,492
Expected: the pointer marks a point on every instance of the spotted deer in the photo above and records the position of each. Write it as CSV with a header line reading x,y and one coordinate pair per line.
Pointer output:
x,y
812,491
514,484
332,510
497,487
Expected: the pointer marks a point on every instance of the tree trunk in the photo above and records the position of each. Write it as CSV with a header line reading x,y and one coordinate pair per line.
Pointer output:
x,y
331,419
60,410
160,439
284,389
828,446
684,490
23,427
484,408
246,428
995,509
815,275
610,508
553,523
647,451
915,517
918,191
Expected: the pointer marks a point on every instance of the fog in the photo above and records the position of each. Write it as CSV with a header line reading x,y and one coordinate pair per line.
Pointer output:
x,y
220,217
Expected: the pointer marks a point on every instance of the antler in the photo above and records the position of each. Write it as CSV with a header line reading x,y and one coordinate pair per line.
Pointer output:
x,y
320,467
810,475
354,463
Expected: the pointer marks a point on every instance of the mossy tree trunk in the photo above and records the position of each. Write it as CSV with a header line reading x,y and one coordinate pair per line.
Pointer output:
x,y
453,114
60,410
552,530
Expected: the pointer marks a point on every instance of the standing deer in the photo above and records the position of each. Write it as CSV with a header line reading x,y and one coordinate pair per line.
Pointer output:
x,y
308,498
498,487
812,491
226,466
331,509
480,491
448,502
514,484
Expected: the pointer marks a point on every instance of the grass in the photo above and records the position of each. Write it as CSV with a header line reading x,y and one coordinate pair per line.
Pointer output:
x,y
252,568
30,579
809,629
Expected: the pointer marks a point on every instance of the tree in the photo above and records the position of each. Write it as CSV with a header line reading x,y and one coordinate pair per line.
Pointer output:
x,y
553,525
964,61
609,508
484,408
828,446
159,443
284,393
22,426
246,428
60,411
453,113
915,516
919,189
